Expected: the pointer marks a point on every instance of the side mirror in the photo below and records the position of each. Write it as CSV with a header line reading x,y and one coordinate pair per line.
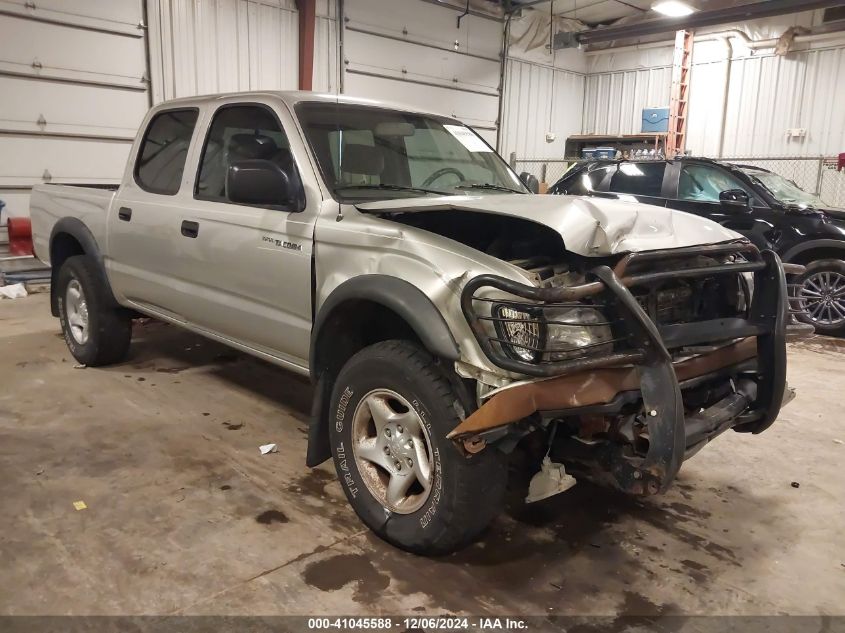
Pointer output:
x,y
735,199
530,181
260,181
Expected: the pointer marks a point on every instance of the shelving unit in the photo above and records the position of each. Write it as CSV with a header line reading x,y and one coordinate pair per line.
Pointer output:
x,y
625,142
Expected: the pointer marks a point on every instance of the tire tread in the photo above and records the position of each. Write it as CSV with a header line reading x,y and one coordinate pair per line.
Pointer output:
x,y
478,494
109,343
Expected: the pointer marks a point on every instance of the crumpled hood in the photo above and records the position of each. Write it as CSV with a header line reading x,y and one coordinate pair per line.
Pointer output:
x,y
589,226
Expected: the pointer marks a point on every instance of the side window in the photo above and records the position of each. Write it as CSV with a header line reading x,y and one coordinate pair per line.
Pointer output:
x,y
239,133
161,160
587,181
639,179
704,183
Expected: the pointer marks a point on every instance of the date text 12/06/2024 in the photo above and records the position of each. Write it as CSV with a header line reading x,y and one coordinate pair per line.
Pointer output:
x,y
417,623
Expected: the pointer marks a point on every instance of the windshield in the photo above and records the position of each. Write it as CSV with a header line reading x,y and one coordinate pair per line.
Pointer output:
x,y
784,190
372,153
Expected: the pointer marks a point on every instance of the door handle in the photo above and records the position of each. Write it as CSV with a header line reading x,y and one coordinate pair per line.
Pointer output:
x,y
190,229
124,213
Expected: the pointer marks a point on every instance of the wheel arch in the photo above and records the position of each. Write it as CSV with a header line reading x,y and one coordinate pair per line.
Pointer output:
x,y
68,238
360,312
808,252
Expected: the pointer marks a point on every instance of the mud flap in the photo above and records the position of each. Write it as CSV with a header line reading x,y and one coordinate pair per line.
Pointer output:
x,y
319,449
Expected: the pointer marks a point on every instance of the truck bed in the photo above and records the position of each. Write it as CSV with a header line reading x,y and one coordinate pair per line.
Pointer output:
x,y
50,203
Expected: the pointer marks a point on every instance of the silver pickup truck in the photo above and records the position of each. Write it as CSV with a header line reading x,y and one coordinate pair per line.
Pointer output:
x,y
443,312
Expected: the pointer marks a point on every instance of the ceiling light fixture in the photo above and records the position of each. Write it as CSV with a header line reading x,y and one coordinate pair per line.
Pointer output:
x,y
673,8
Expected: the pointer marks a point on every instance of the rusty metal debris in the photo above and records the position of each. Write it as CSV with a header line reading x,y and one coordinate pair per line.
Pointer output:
x,y
586,388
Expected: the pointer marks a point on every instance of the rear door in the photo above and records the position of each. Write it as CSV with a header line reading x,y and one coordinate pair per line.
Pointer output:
x,y
697,190
142,252
640,181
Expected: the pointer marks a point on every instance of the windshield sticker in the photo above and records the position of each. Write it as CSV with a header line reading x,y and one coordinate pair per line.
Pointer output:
x,y
468,138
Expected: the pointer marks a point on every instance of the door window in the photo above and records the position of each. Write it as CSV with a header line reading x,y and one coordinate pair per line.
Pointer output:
x,y
639,179
704,183
161,160
587,181
239,133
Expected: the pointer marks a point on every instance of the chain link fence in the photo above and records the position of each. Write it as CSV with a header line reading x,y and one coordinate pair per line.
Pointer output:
x,y
546,170
817,175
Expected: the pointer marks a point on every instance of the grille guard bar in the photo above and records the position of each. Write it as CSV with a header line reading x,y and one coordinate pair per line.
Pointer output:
x,y
564,296
661,393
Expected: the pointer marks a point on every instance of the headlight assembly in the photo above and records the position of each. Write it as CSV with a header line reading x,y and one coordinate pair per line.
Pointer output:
x,y
524,331
573,332
551,334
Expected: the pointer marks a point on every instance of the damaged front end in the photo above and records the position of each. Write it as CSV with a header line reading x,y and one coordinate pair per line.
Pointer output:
x,y
639,364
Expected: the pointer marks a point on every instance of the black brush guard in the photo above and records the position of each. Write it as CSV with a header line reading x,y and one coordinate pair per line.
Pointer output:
x,y
648,350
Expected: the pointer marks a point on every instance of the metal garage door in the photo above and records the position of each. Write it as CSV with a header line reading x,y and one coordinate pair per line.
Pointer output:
x,y
74,90
412,52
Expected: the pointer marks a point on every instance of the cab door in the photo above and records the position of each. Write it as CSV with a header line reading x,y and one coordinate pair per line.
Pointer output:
x,y
142,254
247,267
699,186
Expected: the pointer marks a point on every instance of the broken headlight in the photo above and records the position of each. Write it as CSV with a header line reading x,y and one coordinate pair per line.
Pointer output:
x,y
574,332
551,334
524,332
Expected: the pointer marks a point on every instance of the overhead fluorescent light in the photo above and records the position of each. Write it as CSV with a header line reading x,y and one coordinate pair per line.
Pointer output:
x,y
673,8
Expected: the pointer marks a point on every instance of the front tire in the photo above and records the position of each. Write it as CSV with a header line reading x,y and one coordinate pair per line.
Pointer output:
x,y
822,295
96,332
391,409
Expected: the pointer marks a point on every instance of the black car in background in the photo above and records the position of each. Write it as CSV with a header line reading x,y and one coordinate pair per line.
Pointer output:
x,y
770,210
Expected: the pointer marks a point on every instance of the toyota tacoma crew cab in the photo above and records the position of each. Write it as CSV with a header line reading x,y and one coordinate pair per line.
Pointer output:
x,y
443,312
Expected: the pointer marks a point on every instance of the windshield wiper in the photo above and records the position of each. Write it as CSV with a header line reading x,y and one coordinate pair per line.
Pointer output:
x,y
488,185
389,187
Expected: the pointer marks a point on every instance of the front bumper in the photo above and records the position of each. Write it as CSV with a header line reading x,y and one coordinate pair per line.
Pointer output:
x,y
755,345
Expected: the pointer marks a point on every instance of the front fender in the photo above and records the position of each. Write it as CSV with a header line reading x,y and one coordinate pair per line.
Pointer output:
x,y
406,300
397,295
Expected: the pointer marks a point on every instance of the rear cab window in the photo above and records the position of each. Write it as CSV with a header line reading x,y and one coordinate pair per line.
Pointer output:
x,y
161,158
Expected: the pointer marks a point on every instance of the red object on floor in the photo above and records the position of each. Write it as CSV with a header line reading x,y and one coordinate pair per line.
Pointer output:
x,y
20,236
841,162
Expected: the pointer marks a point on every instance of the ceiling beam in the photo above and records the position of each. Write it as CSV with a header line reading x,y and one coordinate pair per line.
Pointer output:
x,y
742,13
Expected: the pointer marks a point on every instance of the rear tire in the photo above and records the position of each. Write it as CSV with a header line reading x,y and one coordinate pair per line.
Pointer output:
x,y
823,293
389,400
96,332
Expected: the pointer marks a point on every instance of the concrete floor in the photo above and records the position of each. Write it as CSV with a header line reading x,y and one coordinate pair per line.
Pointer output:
x,y
184,515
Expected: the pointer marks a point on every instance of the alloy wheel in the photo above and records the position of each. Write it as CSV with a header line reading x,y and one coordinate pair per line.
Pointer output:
x,y
392,451
823,297
76,308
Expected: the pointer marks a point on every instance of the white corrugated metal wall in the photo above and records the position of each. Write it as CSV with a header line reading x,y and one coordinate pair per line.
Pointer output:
x,y
619,86
543,91
73,85
222,46
767,95
540,99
